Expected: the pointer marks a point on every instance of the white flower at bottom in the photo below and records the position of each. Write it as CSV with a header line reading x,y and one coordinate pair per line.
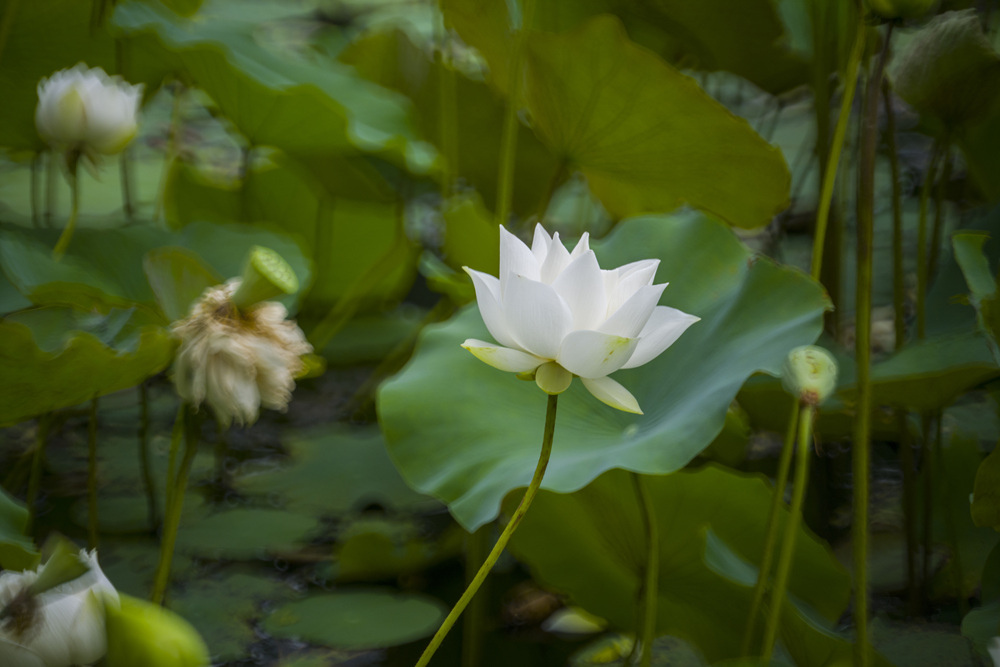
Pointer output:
x,y
558,315
237,360
61,627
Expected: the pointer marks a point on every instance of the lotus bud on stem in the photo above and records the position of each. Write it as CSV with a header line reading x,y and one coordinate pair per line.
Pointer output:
x,y
266,276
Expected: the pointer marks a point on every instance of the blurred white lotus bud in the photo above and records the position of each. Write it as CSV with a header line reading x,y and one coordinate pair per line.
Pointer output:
x,y
810,373
86,110
142,633
238,353
60,627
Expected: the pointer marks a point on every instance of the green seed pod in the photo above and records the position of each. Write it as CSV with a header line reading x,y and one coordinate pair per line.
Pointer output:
x,y
810,373
266,275
142,633
901,9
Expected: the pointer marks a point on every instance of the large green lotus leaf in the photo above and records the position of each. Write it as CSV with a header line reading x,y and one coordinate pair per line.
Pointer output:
x,y
646,136
56,357
17,551
392,60
300,107
357,619
333,471
466,433
43,37
591,545
105,267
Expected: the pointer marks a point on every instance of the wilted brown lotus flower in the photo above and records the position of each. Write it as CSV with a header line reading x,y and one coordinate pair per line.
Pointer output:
x,y
238,351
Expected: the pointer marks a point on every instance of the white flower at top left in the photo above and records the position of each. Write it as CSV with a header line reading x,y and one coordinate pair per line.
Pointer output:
x,y
83,109
237,359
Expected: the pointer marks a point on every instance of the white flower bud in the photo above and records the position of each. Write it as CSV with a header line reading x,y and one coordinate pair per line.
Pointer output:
x,y
61,627
237,360
810,374
86,110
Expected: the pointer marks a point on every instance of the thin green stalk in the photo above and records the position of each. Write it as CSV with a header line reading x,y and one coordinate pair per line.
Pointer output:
x,y
447,110
176,436
74,213
927,510
951,525
898,275
474,624
939,193
830,172
771,532
125,160
806,415
172,150
51,187
651,585
508,139
36,189
147,473
37,460
172,519
907,465
92,518
861,459
922,263
508,531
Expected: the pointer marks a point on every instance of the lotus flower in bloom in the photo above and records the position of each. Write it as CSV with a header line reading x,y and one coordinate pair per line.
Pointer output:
x,y
61,627
85,110
557,314
237,359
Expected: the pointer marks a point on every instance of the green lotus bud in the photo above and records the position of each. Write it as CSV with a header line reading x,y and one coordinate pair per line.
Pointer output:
x,y
949,71
810,373
142,633
266,275
901,9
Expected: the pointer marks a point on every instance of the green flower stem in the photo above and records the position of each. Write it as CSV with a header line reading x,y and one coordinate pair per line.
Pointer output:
x,y
125,159
74,212
771,532
935,250
928,505
92,520
907,464
807,414
474,623
951,523
508,140
447,110
175,505
36,188
862,351
922,263
830,173
147,473
508,531
51,187
37,460
172,149
651,585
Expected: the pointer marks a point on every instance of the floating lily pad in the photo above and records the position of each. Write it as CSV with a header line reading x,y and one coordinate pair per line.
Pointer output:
x,y
358,619
377,549
335,470
244,534
467,433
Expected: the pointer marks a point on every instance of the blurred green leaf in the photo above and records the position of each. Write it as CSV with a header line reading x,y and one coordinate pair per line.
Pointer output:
x,y
590,544
57,357
246,534
975,268
986,492
17,551
357,619
467,433
471,236
646,136
300,107
178,277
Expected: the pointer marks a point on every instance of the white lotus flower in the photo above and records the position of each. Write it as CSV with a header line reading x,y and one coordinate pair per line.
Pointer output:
x,y
558,315
237,359
86,110
61,627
